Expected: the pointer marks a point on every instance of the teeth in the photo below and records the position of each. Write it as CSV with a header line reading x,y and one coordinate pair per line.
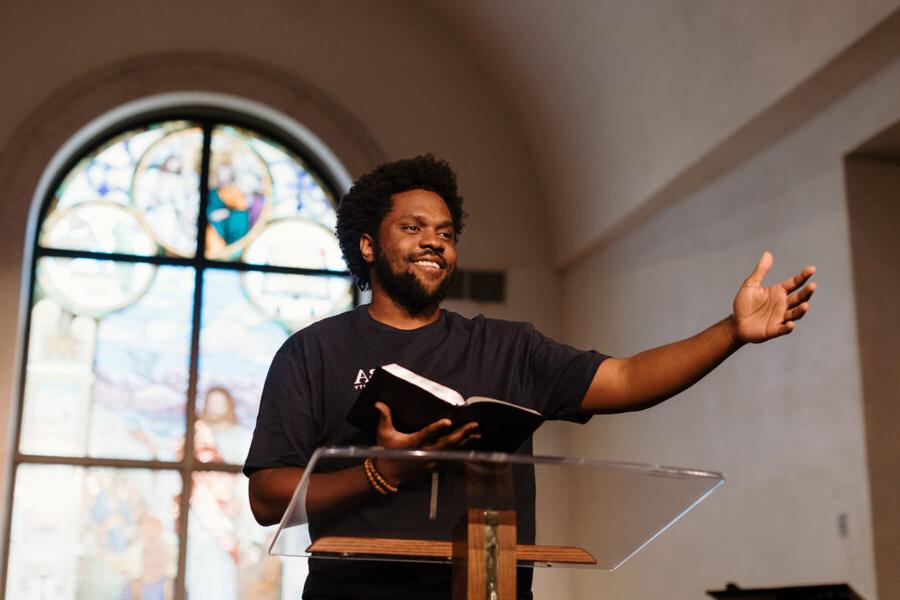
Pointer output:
x,y
428,263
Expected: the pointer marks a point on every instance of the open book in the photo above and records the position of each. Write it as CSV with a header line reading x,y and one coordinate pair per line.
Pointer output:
x,y
416,402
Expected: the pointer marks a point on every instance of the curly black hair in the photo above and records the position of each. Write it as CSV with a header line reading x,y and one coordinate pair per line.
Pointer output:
x,y
363,208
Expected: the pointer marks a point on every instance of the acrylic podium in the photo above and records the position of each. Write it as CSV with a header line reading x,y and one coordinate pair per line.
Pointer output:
x,y
489,513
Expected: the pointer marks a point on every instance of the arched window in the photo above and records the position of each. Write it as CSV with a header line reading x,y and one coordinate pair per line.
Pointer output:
x,y
172,258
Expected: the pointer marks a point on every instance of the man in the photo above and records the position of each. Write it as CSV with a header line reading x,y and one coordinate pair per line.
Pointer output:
x,y
398,228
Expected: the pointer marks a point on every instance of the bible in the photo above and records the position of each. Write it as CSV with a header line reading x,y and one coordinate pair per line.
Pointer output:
x,y
416,402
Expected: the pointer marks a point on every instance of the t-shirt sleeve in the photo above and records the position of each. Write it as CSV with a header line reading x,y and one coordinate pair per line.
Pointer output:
x,y
286,426
559,376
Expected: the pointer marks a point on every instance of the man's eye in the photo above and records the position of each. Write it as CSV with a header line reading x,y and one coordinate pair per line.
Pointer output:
x,y
447,236
410,227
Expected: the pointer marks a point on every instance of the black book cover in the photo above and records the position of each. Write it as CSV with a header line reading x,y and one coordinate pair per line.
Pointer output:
x,y
417,402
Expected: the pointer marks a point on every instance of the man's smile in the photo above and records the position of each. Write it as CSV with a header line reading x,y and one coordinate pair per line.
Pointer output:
x,y
427,264
430,263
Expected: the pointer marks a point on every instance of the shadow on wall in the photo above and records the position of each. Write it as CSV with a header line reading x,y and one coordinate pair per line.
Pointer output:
x,y
873,202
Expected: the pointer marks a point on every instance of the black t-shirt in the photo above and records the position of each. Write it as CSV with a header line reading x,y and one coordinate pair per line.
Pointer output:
x,y
317,374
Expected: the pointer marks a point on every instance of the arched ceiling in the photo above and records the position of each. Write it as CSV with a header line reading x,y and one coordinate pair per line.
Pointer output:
x,y
617,98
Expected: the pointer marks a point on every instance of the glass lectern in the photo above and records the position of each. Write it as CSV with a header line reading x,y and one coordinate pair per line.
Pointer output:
x,y
488,513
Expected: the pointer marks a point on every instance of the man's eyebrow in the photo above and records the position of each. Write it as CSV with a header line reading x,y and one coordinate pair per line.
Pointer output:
x,y
422,219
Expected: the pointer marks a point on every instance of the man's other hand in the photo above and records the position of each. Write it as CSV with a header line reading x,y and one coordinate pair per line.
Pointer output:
x,y
762,313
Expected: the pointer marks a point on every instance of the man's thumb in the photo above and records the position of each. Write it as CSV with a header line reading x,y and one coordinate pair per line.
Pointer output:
x,y
762,267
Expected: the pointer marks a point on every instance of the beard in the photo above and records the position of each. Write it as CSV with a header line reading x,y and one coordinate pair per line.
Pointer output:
x,y
405,289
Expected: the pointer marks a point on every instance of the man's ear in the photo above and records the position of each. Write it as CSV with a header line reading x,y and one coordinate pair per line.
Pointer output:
x,y
367,248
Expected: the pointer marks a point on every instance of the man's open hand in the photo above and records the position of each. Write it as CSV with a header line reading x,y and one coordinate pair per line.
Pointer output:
x,y
762,313
438,436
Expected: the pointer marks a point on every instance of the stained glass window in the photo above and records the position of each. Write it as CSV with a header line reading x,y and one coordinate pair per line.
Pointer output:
x,y
172,260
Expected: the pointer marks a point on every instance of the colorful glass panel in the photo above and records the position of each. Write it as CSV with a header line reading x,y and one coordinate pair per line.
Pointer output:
x,y
166,189
109,380
263,195
295,242
227,556
237,343
94,288
102,205
108,361
297,300
88,532
240,194
98,226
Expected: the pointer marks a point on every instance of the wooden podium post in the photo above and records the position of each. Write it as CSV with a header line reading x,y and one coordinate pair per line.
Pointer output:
x,y
484,556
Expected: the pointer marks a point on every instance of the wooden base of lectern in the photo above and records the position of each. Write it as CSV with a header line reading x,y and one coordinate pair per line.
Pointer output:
x,y
392,548
484,556
484,553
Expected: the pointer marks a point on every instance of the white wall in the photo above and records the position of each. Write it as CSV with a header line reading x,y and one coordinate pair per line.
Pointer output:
x,y
619,97
783,421
873,181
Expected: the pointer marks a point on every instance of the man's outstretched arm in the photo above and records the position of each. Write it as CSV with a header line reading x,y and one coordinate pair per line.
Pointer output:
x,y
645,379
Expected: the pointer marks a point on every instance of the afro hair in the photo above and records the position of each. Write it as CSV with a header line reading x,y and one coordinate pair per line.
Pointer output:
x,y
364,207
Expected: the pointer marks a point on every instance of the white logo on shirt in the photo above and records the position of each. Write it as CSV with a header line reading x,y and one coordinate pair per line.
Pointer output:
x,y
362,378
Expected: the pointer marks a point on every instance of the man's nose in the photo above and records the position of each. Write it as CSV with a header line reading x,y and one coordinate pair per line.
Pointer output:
x,y
430,239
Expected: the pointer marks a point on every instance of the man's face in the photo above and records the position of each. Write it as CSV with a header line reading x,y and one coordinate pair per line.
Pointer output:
x,y
414,255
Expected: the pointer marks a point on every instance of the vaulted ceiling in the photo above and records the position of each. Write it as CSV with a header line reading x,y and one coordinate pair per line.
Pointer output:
x,y
618,99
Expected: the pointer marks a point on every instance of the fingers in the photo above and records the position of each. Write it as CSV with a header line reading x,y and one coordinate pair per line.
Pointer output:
x,y
797,313
456,438
790,316
792,283
802,296
424,435
759,273
387,434
783,329
427,438
435,428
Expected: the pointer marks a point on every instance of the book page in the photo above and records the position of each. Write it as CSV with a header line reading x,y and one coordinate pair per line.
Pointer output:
x,y
485,399
441,391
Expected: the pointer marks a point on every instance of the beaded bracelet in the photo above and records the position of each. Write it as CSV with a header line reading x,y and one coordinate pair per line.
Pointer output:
x,y
372,481
377,480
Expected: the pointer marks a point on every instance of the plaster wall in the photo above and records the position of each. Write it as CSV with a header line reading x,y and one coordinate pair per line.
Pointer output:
x,y
784,422
873,182
619,98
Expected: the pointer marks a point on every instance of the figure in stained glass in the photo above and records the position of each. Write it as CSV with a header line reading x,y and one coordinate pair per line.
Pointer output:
x,y
166,189
239,189
233,209
218,437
